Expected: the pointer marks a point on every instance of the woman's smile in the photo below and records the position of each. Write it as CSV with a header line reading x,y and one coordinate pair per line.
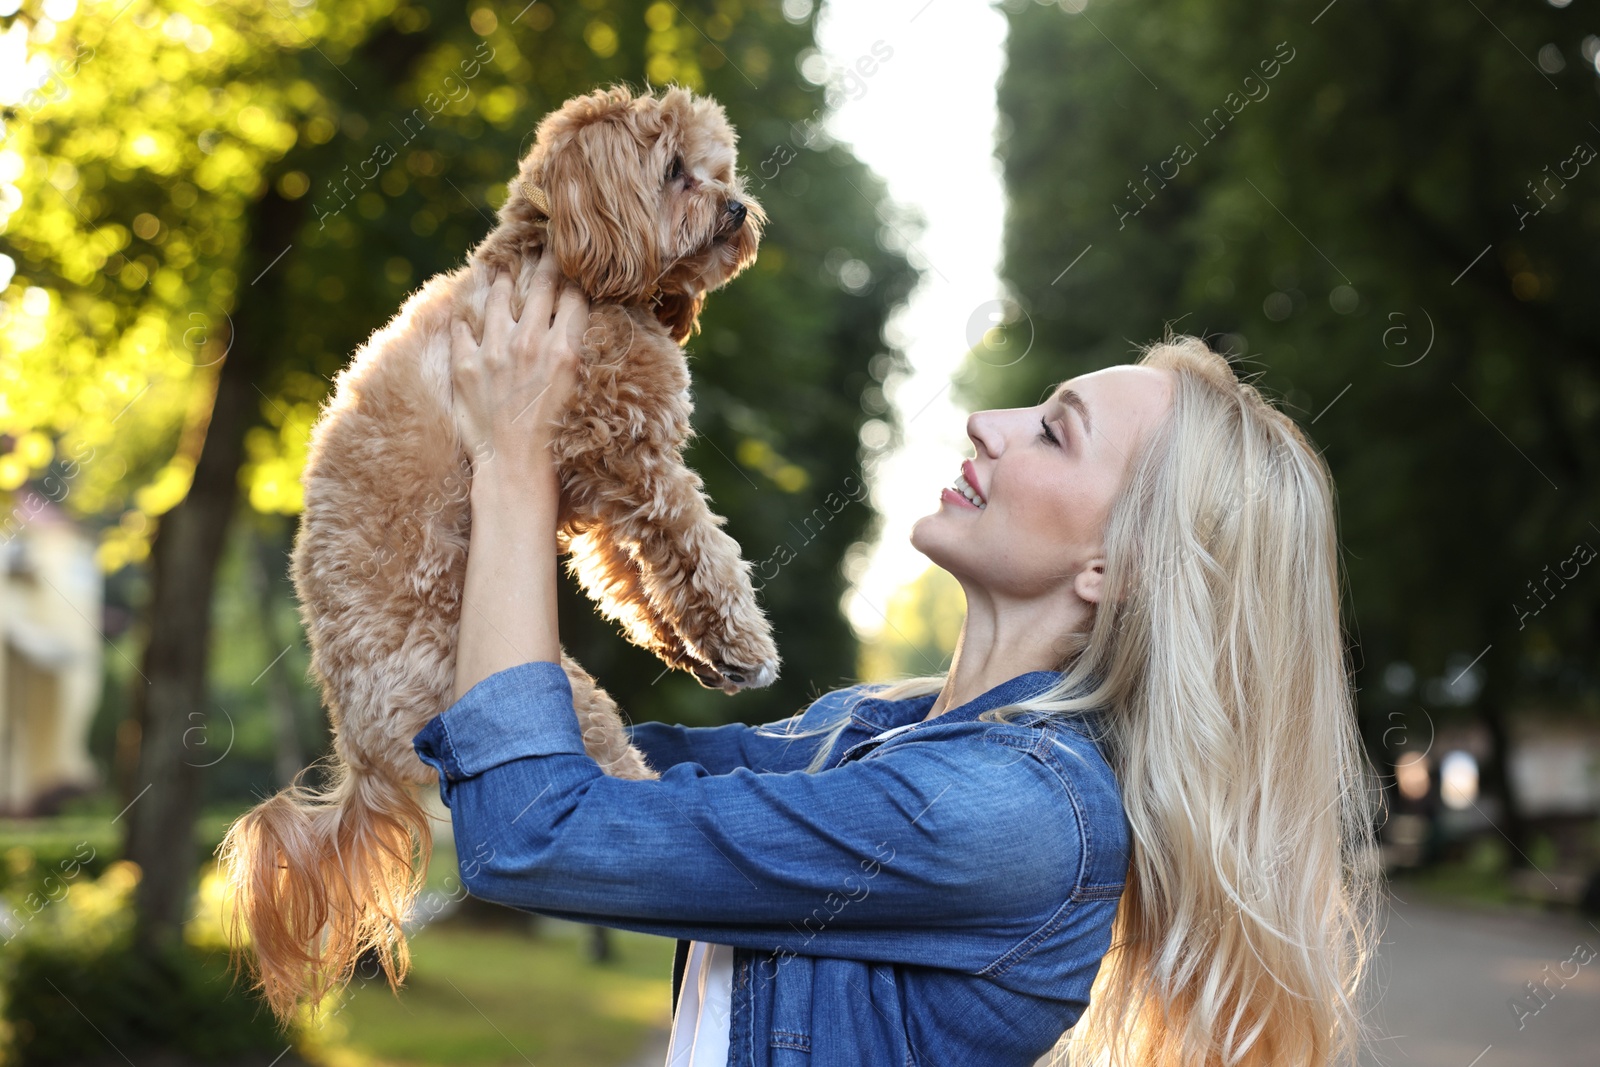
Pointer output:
x,y
966,493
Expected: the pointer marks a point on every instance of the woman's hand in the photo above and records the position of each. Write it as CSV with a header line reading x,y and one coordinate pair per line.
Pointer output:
x,y
513,387
511,391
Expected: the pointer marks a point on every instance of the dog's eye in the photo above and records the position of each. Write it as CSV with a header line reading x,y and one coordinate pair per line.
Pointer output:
x,y
675,171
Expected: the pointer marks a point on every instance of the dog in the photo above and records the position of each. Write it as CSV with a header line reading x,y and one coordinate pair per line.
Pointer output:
x,y
637,197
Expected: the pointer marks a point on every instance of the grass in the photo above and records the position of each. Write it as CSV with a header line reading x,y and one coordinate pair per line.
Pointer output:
x,y
1455,883
60,832
485,997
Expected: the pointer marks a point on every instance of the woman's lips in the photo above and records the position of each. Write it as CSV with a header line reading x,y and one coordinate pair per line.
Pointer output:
x,y
970,473
950,496
966,487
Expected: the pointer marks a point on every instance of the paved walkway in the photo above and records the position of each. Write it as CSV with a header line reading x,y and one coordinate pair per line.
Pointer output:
x,y
1449,978
654,1052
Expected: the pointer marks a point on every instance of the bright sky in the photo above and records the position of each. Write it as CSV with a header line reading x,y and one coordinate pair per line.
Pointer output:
x,y
924,120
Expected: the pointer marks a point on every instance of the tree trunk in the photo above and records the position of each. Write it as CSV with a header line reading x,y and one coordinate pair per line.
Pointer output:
x,y
598,945
177,734
289,756
1500,685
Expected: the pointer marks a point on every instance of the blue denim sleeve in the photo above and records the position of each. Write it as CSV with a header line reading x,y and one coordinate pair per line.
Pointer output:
x,y
772,747
719,749
946,853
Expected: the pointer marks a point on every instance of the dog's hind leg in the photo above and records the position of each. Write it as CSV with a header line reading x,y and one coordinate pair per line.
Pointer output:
x,y
604,736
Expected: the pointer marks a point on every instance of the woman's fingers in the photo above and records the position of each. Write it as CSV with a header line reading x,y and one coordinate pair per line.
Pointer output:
x,y
462,343
497,318
546,279
513,385
572,319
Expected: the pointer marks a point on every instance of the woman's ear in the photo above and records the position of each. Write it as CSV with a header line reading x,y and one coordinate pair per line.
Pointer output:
x,y
603,210
1089,583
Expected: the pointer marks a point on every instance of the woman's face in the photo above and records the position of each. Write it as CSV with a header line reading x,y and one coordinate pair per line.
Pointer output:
x,y
1046,477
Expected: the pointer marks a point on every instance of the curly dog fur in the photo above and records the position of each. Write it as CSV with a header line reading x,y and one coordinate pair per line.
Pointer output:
x,y
636,196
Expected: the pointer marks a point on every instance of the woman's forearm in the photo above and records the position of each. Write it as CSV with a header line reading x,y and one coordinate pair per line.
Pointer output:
x,y
508,605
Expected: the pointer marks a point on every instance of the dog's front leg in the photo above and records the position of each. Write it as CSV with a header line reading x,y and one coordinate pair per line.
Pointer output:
x,y
623,470
610,574
694,572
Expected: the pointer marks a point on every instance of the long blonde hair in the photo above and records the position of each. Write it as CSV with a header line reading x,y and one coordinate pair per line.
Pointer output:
x,y
1248,918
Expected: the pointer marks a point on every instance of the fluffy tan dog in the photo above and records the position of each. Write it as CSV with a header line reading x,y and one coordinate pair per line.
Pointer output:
x,y
637,198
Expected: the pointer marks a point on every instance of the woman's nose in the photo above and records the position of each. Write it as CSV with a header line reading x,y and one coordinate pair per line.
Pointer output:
x,y
984,429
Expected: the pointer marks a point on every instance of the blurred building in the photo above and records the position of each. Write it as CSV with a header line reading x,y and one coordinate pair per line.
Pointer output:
x,y
50,657
1554,766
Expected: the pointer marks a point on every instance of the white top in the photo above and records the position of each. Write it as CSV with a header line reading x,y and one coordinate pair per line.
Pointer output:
x,y
705,1005
700,1027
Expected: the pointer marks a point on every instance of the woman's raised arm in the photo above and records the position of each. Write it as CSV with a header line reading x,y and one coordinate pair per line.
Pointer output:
x,y
511,387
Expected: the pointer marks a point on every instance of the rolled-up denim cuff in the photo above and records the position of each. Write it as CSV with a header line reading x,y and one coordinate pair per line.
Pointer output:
x,y
521,711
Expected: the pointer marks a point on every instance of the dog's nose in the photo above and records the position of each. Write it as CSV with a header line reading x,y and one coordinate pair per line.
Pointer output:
x,y
737,212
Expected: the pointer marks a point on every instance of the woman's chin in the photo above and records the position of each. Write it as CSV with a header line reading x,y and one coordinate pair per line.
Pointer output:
x,y
927,538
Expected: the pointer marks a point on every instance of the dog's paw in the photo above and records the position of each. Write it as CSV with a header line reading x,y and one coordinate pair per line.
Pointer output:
x,y
762,675
747,661
738,676
731,678
712,678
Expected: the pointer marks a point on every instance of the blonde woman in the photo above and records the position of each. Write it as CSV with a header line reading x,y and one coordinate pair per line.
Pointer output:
x,y
1133,807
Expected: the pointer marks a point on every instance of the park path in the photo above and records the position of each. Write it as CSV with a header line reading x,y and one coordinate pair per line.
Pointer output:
x,y
654,1051
1449,977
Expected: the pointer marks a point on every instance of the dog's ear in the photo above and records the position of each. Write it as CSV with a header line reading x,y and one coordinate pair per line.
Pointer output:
x,y
680,313
603,207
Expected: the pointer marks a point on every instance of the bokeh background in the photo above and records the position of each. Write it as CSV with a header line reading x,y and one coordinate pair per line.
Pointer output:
x,y
1387,214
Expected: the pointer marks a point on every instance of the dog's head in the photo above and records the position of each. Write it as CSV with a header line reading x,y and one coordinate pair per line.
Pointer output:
x,y
643,203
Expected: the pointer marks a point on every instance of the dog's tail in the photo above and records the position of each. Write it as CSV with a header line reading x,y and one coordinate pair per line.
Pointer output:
x,y
320,878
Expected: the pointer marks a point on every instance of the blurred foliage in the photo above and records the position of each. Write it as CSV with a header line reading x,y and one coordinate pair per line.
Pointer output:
x,y
34,876
76,955
141,137
69,952
1479,877
135,136
1341,197
40,855
921,624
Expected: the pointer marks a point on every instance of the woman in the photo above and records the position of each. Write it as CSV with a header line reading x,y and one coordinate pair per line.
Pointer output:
x,y
1140,773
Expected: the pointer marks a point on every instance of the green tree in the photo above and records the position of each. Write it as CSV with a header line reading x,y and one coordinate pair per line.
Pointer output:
x,y
193,260
145,206
1347,198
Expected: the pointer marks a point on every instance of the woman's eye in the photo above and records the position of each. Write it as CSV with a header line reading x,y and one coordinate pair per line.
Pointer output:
x,y
675,171
1048,433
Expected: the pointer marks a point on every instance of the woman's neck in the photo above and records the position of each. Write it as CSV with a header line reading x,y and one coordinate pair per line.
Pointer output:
x,y
1001,639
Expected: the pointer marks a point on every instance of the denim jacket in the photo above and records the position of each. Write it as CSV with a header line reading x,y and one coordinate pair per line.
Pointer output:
x,y
940,896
